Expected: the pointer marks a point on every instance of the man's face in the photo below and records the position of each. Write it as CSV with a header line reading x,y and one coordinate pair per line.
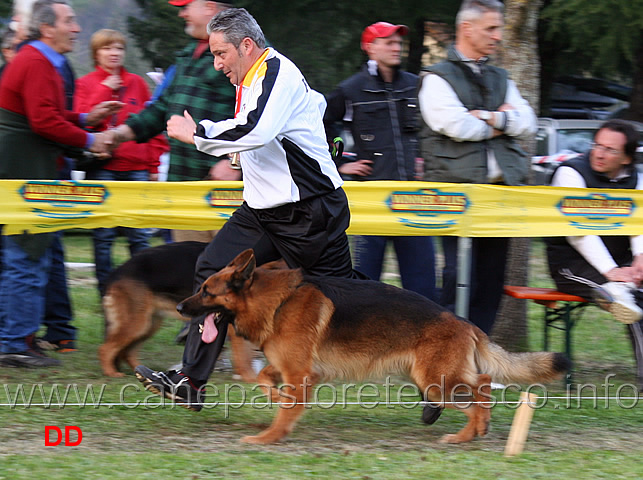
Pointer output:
x,y
196,15
229,59
608,154
62,36
19,26
386,51
484,34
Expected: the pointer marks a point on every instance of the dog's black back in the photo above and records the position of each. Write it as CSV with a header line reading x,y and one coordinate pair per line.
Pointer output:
x,y
167,270
370,304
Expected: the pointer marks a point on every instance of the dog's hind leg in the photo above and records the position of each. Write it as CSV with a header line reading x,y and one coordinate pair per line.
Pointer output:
x,y
128,323
475,408
130,353
115,314
448,377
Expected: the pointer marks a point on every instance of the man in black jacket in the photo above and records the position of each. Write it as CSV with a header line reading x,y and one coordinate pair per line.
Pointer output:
x,y
379,105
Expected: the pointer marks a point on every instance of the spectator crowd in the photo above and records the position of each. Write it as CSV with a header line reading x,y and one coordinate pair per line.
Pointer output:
x,y
235,108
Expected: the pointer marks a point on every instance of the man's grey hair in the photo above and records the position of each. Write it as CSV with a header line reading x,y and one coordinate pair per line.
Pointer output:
x,y
7,39
237,24
23,8
474,9
42,13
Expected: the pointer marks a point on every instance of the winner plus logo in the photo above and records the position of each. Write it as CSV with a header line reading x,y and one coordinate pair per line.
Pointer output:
x,y
63,199
597,211
225,200
430,207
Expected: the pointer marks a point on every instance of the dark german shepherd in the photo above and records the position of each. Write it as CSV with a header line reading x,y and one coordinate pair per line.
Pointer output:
x,y
144,290
321,328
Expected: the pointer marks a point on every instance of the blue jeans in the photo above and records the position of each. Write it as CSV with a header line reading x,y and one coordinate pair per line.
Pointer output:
x,y
23,282
415,258
138,238
58,314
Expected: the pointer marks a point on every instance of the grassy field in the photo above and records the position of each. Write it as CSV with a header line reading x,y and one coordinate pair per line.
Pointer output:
x,y
131,435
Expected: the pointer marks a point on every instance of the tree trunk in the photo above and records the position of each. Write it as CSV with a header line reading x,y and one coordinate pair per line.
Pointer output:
x,y
635,111
520,57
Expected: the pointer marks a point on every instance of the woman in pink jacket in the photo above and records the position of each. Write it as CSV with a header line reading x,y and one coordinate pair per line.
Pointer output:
x,y
131,161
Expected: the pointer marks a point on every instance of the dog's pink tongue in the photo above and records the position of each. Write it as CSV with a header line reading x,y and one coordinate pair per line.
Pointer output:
x,y
210,331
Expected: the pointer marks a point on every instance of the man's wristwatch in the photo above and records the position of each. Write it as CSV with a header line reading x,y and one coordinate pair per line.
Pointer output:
x,y
485,115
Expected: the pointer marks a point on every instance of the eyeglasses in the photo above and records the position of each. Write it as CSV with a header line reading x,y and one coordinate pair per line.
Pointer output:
x,y
608,150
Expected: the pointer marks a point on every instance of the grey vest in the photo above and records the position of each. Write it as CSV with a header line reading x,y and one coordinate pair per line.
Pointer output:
x,y
466,162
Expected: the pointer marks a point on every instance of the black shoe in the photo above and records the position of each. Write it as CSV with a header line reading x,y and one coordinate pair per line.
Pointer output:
x,y
173,385
431,413
60,346
27,359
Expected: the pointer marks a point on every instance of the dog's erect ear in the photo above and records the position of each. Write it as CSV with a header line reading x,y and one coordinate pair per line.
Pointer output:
x,y
244,266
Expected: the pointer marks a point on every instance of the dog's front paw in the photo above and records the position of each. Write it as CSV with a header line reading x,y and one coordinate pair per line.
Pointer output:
x,y
253,439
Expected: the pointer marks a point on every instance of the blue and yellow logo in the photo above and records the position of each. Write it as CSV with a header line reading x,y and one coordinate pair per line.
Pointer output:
x,y
597,211
428,203
228,199
63,197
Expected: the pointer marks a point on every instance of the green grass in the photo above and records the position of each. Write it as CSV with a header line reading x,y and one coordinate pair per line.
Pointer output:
x,y
586,440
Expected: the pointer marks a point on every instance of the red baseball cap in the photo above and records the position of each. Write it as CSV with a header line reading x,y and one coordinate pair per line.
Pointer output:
x,y
183,3
381,30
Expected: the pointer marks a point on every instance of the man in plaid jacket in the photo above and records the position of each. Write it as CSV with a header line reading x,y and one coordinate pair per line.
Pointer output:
x,y
198,88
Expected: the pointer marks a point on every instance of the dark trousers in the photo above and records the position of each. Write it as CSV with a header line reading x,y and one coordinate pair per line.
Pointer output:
x,y
488,261
579,267
310,234
58,314
415,259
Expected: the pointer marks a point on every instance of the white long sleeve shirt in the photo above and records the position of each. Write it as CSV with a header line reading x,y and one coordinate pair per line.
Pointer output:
x,y
279,133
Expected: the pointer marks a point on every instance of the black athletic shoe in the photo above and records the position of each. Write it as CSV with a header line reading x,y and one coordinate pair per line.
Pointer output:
x,y
172,385
431,413
27,359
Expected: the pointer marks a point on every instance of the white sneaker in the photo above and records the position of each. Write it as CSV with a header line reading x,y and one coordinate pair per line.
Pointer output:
x,y
617,298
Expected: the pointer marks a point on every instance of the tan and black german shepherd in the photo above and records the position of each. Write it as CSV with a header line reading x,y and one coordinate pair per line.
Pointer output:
x,y
321,328
144,290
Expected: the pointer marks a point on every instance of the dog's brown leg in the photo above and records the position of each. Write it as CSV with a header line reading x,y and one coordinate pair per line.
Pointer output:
x,y
268,379
130,353
241,357
128,323
479,415
294,394
294,367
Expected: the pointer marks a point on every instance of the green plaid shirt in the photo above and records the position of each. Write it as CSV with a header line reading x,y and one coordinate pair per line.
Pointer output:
x,y
205,93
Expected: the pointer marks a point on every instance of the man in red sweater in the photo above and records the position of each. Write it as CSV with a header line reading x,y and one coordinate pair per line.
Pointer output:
x,y
35,127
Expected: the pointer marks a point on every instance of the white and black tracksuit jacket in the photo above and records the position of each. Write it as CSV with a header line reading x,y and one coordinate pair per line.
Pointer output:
x,y
280,134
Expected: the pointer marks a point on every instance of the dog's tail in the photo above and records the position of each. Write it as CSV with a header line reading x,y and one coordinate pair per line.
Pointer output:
x,y
508,367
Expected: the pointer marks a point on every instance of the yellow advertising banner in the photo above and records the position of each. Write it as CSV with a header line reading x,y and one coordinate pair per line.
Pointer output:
x,y
377,207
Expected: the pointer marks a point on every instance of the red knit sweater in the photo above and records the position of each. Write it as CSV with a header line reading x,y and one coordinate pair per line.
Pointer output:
x,y
31,86
134,93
